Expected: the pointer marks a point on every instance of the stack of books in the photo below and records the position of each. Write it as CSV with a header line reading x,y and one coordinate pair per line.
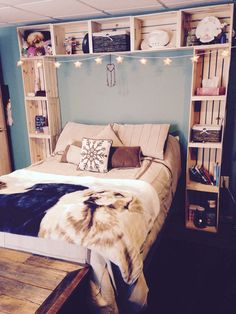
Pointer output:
x,y
200,174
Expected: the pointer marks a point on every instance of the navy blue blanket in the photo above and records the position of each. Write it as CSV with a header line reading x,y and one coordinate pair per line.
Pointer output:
x,y
21,213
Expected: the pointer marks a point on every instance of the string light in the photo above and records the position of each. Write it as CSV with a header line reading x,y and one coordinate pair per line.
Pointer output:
x,y
39,64
20,63
195,58
57,64
78,64
98,60
143,61
119,59
167,61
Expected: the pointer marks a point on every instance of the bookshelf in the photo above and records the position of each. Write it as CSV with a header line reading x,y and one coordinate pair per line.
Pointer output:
x,y
204,151
41,106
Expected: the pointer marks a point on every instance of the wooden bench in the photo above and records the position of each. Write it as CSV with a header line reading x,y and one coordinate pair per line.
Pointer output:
x,y
35,284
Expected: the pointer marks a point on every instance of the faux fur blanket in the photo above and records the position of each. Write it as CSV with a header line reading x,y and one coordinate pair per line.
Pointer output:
x,y
112,217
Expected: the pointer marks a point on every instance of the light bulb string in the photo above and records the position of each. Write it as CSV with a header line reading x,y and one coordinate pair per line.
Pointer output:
x,y
210,51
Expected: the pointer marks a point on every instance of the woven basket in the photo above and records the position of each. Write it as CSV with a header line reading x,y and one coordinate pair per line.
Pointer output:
x,y
206,133
111,41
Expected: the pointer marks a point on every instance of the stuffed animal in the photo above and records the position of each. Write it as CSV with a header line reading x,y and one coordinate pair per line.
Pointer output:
x,y
35,41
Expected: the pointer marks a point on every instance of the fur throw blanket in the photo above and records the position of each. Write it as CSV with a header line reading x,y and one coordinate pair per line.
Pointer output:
x,y
109,216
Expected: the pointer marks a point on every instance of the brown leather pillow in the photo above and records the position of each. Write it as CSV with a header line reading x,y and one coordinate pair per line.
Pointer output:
x,y
125,157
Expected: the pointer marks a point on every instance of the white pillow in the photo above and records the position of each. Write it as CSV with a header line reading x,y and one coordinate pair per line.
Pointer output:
x,y
150,137
73,154
75,132
108,134
94,155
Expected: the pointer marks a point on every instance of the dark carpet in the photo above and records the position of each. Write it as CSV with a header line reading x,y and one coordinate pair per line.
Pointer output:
x,y
188,277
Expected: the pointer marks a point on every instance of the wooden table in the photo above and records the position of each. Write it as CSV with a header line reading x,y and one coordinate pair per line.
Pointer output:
x,y
35,284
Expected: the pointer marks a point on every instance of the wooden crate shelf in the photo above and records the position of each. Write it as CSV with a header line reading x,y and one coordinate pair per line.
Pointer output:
x,y
207,110
196,186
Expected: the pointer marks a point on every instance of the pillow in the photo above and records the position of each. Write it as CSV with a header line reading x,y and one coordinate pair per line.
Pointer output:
x,y
94,154
150,137
75,132
125,157
108,134
64,155
73,154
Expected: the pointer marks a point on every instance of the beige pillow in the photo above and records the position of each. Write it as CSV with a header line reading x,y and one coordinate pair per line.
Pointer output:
x,y
75,132
108,134
64,155
150,137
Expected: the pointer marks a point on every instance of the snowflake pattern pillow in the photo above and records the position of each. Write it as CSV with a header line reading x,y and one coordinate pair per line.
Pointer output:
x,y
94,154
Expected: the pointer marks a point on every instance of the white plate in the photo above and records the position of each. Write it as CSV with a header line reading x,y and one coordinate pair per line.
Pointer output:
x,y
208,28
155,39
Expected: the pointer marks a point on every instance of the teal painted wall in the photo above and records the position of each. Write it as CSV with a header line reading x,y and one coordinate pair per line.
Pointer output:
x,y
9,54
143,93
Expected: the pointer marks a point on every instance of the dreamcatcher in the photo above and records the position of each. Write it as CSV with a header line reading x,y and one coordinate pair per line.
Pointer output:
x,y
111,74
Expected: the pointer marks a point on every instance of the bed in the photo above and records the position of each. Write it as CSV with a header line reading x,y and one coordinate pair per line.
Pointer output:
x,y
108,219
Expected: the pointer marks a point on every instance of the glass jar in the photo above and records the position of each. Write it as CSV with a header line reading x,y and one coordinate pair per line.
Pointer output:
x,y
199,219
211,213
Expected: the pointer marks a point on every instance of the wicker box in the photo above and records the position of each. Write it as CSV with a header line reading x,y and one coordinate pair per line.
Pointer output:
x,y
111,41
206,133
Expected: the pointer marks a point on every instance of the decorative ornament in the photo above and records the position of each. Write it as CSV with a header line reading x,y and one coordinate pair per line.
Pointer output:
x,y
208,29
57,64
39,64
167,61
194,58
19,63
98,60
78,64
119,59
143,61
225,53
111,74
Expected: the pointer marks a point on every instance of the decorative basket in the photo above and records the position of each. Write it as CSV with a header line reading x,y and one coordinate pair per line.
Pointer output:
x,y
111,41
206,133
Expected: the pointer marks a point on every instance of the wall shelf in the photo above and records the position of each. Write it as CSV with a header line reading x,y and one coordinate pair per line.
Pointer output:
x,y
209,98
209,111
175,23
205,145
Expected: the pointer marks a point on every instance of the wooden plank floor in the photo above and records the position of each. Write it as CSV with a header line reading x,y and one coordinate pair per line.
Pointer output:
x,y
36,284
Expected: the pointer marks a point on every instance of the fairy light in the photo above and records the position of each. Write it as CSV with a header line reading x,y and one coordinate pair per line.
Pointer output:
x,y
19,63
119,59
143,61
167,61
78,64
39,64
225,53
98,60
57,64
194,58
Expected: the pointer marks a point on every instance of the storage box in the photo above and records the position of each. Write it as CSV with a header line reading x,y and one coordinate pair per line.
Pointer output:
x,y
111,41
210,91
206,133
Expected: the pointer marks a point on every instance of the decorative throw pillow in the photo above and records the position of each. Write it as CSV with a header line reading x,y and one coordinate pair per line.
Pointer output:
x,y
65,157
125,157
94,154
108,134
